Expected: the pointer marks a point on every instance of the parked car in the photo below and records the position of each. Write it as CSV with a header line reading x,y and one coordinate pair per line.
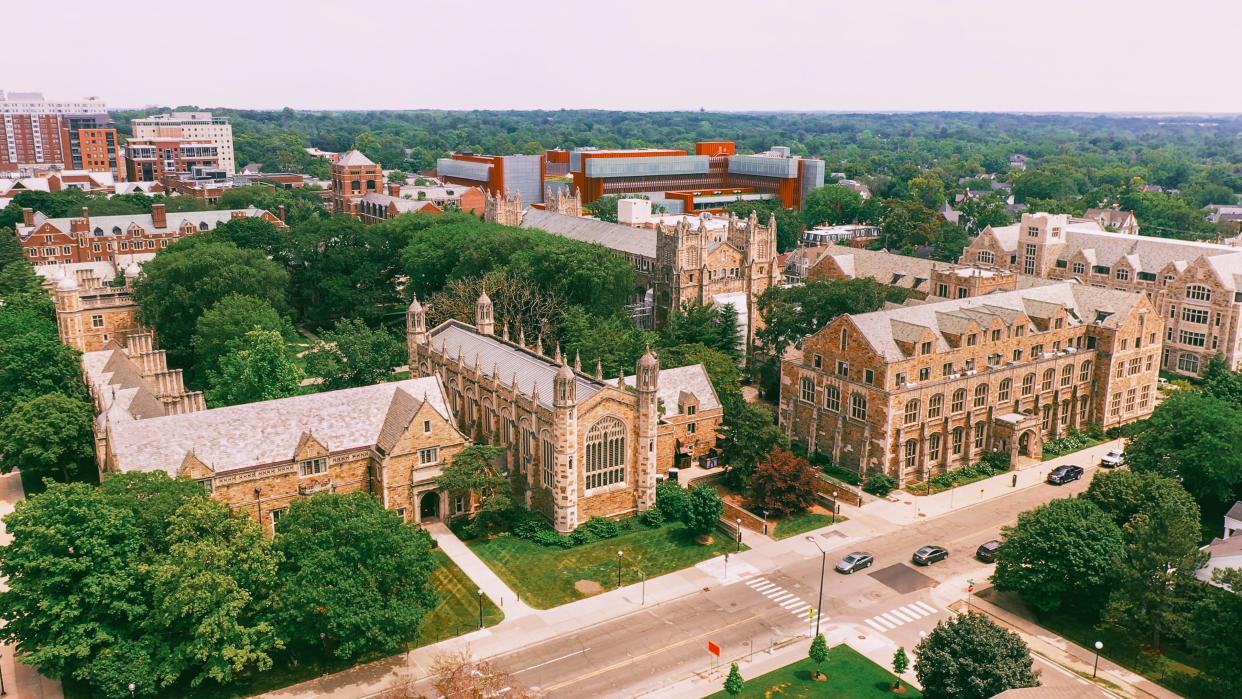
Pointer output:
x,y
1113,459
1064,474
855,561
987,551
929,555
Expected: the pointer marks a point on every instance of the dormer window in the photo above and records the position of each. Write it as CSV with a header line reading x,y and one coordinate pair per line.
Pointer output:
x,y
312,467
692,409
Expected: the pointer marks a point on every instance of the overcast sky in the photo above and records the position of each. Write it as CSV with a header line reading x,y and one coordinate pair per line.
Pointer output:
x,y
838,55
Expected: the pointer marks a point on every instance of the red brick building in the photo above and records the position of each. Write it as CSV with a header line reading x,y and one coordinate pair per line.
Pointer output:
x,y
159,159
353,177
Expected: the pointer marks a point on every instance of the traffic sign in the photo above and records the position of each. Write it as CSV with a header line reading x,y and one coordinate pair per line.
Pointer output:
x,y
713,649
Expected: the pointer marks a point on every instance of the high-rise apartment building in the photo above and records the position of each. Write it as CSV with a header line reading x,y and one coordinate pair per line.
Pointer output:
x,y
159,159
192,126
37,132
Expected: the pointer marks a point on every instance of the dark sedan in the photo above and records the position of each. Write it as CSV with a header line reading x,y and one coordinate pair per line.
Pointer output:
x,y
929,555
855,561
1065,474
987,551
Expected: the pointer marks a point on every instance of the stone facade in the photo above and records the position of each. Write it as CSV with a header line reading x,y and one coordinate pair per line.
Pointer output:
x,y
1197,287
94,301
918,390
577,446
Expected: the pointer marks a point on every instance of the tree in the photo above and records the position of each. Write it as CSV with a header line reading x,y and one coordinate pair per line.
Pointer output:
x,y
1222,382
457,674
832,205
33,364
343,268
908,224
901,663
397,177
192,275
969,657
1213,636
950,241
258,367
715,327
1063,554
784,484
671,500
792,313
352,571
605,208
517,303
788,221
351,354
1192,437
734,683
722,369
703,509
47,436
210,594
227,321
747,435
256,233
473,470
615,341
819,654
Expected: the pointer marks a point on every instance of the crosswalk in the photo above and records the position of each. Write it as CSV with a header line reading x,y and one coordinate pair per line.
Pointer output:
x,y
905,614
783,598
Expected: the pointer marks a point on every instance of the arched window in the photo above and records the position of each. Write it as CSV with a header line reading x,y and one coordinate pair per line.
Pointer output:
x,y
1066,409
1049,376
1002,393
912,453
527,446
987,257
959,401
1083,405
202,226
549,459
935,405
912,411
981,395
858,406
1067,374
1084,374
1028,384
1046,420
605,453
957,441
1198,292
933,447
980,430
832,398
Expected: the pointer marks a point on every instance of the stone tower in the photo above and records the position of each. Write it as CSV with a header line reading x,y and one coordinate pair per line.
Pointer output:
x,y
483,318
647,379
415,331
565,433
1041,237
562,202
504,209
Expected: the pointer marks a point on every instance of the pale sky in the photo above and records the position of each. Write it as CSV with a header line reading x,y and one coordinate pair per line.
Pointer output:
x,y
721,55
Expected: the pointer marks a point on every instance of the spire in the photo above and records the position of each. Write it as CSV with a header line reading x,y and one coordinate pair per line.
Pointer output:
x,y
559,360
483,315
522,336
599,370
504,332
539,345
577,361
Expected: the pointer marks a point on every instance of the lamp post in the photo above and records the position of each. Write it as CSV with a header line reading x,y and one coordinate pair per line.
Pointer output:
x,y
132,687
739,534
823,564
2,692
619,555
643,575
480,609
765,522
834,507
1099,646
726,571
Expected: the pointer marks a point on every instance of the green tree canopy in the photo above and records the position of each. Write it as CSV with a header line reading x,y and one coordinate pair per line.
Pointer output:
x,y
351,354
227,321
49,436
747,435
792,313
1192,437
473,470
714,326
258,366
702,510
832,205
343,268
35,363
970,657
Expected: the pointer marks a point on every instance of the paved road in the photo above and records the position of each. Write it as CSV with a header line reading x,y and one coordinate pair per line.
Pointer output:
x,y
878,609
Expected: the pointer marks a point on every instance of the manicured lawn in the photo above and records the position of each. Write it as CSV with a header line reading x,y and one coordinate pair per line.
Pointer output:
x,y
850,674
458,611
544,576
802,523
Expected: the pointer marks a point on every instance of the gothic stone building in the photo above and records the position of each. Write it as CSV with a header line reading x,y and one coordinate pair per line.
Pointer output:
x,y
94,300
577,446
1197,287
919,389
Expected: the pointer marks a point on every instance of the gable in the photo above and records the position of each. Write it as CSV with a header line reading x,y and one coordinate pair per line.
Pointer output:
x,y
309,448
426,428
192,467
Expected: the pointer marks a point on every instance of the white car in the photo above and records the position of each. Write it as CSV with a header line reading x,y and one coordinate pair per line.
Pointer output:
x,y
1113,459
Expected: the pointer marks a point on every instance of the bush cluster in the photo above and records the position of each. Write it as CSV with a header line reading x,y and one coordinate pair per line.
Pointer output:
x,y
879,483
989,466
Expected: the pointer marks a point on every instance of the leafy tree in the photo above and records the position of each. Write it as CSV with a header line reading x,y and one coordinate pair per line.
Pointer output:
x,y
210,593
950,242
713,326
747,435
254,233
227,321
1213,636
20,285
33,364
301,205
703,509
788,221
927,190
734,683
517,303
1192,437
473,470
351,354
819,653
1222,382
258,367
784,484
192,275
671,500
908,224
49,436
605,208
978,213
352,571
969,657
792,313
1061,554
615,341
397,177
832,205
901,663
343,268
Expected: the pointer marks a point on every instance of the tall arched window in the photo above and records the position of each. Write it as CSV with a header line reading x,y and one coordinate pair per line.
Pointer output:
x,y
605,453
933,447
1066,408
1067,374
1046,420
981,395
1049,376
912,411
549,459
980,430
912,453
858,406
959,401
832,398
935,405
1083,409
1084,374
957,441
1002,393
1028,384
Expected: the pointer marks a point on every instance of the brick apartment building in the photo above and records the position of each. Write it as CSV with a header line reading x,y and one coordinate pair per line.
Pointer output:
x,y
400,199
1197,287
76,135
52,241
920,389
191,127
165,159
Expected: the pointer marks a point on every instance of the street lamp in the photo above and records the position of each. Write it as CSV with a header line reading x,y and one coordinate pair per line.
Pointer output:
x,y
739,534
480,609
765,522
619,555
834,507
823,564
1099,646
643,575
132,687
2,692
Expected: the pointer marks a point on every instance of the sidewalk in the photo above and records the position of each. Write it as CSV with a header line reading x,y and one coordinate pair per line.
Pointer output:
x,y
1069,655
491,584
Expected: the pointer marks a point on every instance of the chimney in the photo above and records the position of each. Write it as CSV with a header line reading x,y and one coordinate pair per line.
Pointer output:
x,y
28,216
86,215
280,212
394,189
159,219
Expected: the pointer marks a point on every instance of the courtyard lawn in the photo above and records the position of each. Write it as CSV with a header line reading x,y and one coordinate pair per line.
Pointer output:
x,y
850,674
545,576
801,523
458,610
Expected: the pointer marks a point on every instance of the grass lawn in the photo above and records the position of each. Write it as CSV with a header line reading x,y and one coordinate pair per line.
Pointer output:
x,y
802,523
921,488
850,674
544,576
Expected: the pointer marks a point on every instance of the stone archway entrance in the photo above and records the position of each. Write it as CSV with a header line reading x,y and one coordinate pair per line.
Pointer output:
x,y
1024,444
429,506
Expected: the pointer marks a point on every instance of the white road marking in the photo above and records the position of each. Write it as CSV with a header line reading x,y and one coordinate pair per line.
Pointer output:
x,y
884,622
902,615
895,621
549,662
764,587
756,582
923,605
798,610
779,596
790,604
877,627
914,611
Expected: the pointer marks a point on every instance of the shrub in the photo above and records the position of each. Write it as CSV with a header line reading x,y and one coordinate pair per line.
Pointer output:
x,y
703,510
466,528
879,483
548,537
580,536
653,518
602,528
998,461
526,524
671,500
784,484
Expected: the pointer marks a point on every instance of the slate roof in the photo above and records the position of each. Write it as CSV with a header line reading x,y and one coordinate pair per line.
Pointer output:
x,y
355,157
252,434
883,328
635,241
1107,249
403,205
174,220
672,382
508,360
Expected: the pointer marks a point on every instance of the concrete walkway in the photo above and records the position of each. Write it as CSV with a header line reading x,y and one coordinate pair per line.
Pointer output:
x,y
491,584
19,680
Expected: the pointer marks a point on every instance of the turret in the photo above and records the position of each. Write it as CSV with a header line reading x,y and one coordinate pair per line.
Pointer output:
x,y
565,390
648,372
415,324
483,315
647,381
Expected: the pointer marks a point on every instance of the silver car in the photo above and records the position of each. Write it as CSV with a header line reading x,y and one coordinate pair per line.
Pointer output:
x,y
854,561
1113,459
